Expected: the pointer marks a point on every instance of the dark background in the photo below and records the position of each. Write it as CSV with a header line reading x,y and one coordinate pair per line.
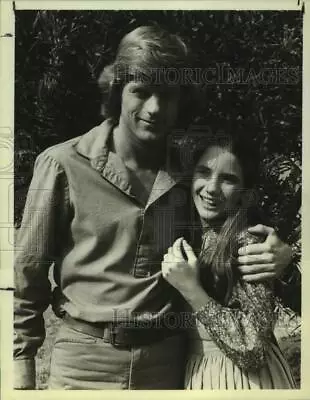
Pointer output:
x,y
60,54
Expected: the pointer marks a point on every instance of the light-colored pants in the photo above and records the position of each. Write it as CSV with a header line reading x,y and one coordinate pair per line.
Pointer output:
x,y
82,361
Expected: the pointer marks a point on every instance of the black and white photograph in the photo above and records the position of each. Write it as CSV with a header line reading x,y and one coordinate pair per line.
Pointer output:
x,y
157,199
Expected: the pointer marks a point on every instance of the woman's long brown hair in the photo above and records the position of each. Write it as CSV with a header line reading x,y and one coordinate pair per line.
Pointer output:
x,y
217,264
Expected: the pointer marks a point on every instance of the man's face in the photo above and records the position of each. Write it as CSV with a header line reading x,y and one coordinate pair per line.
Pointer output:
x,y
148,112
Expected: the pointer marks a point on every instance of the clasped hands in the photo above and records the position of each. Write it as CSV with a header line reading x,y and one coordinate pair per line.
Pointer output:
x,y
257,262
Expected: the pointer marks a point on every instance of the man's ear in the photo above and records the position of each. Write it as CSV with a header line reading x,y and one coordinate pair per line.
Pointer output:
x,y
115,96
111,90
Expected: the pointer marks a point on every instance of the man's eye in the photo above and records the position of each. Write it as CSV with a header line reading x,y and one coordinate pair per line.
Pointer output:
x,y
142,93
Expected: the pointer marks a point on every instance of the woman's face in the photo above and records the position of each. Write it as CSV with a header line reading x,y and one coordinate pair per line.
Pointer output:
x,y
217,183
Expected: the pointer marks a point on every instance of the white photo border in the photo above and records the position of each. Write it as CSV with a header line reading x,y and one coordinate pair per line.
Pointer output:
x,y
6,185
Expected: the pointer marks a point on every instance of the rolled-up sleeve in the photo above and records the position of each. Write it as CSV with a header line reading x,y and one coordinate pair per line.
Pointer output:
x,y
38,245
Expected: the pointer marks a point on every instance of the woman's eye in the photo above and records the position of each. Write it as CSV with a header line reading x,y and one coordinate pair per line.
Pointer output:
x,y
203,172
231,179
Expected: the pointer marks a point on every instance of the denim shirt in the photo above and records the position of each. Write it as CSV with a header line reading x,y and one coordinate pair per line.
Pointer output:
x,y
106,245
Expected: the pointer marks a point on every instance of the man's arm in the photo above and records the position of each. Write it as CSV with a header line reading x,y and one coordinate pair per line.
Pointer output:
x,y
273,259
38,240
288,285
265,260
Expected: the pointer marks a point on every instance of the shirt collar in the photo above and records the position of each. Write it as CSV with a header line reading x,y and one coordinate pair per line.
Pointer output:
x,y
94,146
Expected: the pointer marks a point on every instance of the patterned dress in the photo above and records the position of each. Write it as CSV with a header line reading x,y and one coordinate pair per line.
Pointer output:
x,y
233,346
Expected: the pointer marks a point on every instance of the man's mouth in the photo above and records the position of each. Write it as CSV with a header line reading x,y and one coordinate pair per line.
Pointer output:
x,y
152,122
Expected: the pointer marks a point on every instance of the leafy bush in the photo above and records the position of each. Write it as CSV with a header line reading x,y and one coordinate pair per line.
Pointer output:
x,y
257,55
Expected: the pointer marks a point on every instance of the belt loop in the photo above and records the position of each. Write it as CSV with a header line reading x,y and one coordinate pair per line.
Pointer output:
x,y
113,332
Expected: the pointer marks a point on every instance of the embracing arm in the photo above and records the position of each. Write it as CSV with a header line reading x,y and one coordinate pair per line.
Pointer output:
x,y
35,251
288,285
270,259
263,260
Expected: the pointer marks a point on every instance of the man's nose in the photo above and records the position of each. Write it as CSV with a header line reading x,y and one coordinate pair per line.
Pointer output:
x,y
153,104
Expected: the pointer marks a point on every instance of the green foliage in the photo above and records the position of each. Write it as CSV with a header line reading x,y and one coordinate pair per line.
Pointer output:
x,y
59,55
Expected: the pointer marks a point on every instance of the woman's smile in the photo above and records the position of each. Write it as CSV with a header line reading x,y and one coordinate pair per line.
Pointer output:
x,y
209,202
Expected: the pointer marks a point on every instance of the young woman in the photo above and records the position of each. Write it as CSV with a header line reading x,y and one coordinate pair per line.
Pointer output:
x,y
232,345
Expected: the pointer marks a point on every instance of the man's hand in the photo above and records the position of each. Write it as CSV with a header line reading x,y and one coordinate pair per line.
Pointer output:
x,y
266,260
24,374
181,273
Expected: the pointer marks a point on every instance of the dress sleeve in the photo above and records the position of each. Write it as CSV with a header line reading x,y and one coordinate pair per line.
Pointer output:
x,y
243,328
38,245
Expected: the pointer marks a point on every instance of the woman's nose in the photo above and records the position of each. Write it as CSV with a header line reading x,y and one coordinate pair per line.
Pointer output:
x,y
212,186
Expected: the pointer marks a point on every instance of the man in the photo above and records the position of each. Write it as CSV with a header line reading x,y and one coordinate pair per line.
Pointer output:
x,y
104,208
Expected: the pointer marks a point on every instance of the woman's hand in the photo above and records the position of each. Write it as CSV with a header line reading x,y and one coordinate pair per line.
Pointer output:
x,y
181,273
267,260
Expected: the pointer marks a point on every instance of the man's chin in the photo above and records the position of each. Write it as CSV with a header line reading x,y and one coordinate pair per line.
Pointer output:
x,y
152,135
